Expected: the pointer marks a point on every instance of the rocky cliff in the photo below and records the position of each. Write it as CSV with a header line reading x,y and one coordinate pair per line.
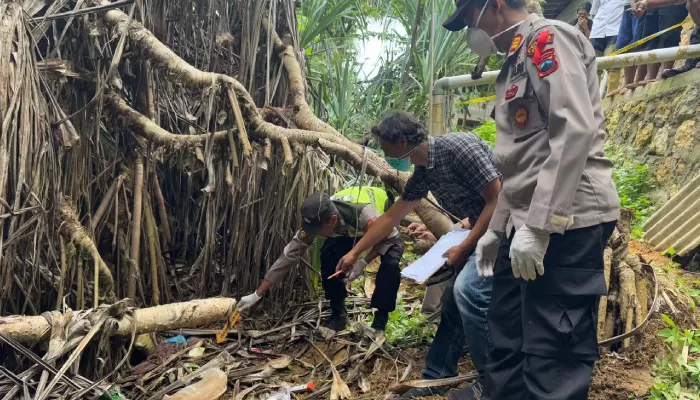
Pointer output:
x,y
659,126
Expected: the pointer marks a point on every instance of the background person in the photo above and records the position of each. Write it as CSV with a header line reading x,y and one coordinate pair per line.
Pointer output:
x,y
657,19
583,19
631,31
607,19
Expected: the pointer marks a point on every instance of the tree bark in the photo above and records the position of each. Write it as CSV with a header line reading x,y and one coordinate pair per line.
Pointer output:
x,y
71,229
315,132
191,314
134,249
603,307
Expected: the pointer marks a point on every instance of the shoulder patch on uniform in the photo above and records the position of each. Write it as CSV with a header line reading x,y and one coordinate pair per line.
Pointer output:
x,y
531,48
547,63
515,44
543,39
302,234
533,45
511,91
521,116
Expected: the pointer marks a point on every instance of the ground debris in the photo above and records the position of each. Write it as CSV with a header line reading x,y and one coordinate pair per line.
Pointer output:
x,y
259,357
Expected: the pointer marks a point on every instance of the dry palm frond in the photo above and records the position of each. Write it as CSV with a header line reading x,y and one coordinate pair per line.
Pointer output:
x,y
339,389
403,387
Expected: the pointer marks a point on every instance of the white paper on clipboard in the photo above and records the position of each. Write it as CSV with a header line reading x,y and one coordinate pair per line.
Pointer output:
x,y
431,261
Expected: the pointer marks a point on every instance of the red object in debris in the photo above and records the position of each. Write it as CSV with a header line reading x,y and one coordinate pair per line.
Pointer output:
x,y
308,387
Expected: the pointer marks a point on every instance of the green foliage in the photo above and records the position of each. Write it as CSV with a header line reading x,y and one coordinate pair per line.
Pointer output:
x,y
678,370
331,30
408,329
408,256
690,289
634,188
487,132
316,17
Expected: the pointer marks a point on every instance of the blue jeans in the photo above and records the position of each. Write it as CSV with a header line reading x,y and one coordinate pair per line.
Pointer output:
x,y
465,305
631,30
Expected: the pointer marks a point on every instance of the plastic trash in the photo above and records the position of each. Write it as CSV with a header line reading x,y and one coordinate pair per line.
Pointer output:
x,y
112,393
285,392
196,352
303,388
210,387
177,339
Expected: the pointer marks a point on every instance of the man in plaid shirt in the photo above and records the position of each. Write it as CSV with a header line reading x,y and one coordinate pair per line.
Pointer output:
x,y
458,169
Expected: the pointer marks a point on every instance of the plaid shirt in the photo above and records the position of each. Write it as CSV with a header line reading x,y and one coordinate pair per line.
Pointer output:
x,y
459,167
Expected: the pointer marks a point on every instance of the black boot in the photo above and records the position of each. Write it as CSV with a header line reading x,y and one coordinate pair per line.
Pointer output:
x,y
381,318
339,317
472,392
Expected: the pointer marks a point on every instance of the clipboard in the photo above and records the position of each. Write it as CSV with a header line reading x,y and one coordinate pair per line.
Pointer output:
x,y
433,262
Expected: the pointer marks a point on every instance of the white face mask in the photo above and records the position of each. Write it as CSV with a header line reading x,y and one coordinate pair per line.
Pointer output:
x,y
480,42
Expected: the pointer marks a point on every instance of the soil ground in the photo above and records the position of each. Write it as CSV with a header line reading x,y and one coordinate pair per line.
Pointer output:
x,y
619,375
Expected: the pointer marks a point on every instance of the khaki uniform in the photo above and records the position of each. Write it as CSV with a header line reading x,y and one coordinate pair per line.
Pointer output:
x,y
302,240
549,148
549,145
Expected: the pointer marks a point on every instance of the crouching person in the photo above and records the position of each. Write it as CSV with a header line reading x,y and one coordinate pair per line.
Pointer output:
x,y
342,220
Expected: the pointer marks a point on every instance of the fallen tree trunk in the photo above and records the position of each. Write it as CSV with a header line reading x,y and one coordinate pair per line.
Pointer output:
x,y
191,314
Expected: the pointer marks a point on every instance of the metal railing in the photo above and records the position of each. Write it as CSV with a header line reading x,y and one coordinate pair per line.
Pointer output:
x,y
443,85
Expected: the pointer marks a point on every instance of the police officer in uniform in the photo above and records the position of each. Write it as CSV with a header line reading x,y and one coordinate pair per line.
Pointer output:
x,y
342,219
557,207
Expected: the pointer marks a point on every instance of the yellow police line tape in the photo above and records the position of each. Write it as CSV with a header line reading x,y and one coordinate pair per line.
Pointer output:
x,y
648,38
478,100
615,53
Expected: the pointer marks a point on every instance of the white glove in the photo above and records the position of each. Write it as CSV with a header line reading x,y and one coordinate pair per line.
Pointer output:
x,y
486,252
246,302
527,252
356,271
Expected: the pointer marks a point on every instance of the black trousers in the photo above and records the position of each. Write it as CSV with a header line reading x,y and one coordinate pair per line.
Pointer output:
x,y
388,276
544,331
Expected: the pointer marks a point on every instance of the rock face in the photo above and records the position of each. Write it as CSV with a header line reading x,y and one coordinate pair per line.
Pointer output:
x,y
659,126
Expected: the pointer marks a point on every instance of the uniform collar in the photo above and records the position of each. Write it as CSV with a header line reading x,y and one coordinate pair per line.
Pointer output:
x,y
431,152
341,226
521,35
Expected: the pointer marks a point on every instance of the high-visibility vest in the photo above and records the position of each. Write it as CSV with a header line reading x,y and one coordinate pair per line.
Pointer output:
x,y
375,196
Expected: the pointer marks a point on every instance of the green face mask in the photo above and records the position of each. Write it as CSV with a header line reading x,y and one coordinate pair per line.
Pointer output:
x,y
400,164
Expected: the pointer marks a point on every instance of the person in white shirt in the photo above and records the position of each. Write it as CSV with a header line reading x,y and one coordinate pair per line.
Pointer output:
x,y
606,24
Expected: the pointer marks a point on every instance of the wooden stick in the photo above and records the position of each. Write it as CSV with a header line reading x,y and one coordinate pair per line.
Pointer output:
x,y
88,10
